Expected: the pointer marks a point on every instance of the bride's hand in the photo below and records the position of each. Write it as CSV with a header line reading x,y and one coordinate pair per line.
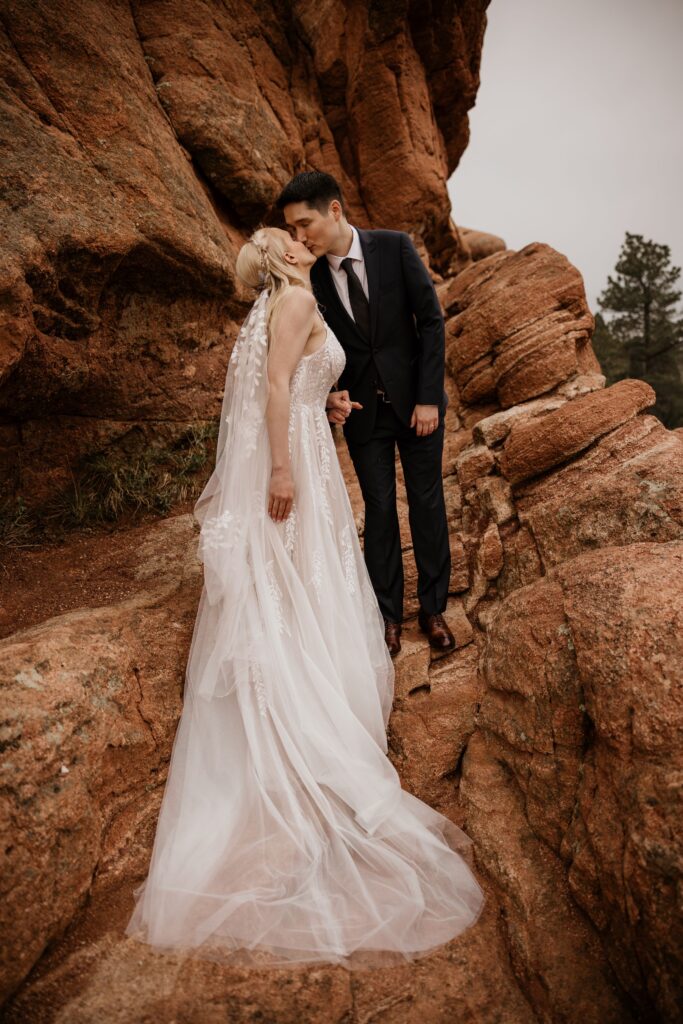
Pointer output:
x,y
339,406
280,495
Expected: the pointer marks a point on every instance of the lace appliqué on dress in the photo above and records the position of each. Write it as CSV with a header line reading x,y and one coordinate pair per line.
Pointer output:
x,y
249,363
317,577
276,596
322,436
291,530
348,561
259,505
223,531
319,481
256,675
309,385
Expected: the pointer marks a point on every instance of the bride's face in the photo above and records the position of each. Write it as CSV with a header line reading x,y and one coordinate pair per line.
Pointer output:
x,y
304,257
318,231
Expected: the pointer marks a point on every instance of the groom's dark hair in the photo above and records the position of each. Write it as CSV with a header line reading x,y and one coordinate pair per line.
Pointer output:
x,y
316,188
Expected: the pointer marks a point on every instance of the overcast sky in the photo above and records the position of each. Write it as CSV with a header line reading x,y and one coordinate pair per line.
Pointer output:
x,y
576,135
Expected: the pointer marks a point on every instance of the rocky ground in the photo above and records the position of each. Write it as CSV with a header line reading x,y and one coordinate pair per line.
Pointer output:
x,y
550,735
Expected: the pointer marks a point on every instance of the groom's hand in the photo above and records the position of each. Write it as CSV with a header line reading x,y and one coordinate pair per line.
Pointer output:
x,y
339,405
425,419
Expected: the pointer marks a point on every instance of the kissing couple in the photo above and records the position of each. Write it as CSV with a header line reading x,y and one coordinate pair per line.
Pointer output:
x,y
284,835
380,303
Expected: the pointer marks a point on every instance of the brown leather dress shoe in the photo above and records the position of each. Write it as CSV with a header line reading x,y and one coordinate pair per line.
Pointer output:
x,y
438,633
392,636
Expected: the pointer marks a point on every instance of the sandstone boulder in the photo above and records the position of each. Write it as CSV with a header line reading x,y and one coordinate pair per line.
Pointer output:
x,y
91,702
535,446
433,716
474,462
518,325
142,143
581,724
480,244
627,489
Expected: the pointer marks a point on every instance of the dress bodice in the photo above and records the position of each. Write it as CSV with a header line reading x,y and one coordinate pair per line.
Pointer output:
x,y
316,373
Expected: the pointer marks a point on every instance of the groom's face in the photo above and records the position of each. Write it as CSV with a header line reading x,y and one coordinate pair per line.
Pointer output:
x,y
318,230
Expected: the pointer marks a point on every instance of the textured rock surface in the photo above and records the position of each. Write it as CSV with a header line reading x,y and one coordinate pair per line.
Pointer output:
x,y
91,701
123,983
480,244
140,141
433,717
568,780
532,448
495,352
627,488
580,728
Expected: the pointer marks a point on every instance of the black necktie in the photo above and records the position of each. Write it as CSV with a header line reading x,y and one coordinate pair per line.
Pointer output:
x,y
361,310
359,303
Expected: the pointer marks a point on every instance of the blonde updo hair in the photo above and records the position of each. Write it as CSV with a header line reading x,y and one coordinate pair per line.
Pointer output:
x,y
261,264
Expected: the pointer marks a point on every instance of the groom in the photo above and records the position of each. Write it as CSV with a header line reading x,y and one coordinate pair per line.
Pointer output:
x,y
379,300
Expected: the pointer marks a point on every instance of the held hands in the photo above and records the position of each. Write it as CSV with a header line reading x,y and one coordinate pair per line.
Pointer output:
x,y
339,406
425,419
281,495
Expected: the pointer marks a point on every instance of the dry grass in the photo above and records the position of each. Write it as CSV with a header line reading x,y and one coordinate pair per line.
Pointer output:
x,y
110,484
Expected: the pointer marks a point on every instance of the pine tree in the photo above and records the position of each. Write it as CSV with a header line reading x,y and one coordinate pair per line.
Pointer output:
x,y
641,334
612,355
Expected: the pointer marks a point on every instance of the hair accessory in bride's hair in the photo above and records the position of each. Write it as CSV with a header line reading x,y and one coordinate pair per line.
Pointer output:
x,y
263,257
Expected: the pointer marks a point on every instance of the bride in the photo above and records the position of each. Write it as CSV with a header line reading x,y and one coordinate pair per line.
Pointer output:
x,y
284,835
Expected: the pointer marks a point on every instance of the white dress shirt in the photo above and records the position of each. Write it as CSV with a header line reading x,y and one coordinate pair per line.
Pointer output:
x,y
339,277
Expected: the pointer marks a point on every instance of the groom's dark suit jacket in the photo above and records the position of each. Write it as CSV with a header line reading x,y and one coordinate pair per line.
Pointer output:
x,y
407,342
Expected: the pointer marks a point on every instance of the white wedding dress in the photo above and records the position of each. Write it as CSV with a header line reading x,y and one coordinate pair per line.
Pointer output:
x,y
284,835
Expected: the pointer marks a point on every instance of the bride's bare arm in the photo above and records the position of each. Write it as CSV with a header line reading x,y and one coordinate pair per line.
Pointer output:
x,y
290,329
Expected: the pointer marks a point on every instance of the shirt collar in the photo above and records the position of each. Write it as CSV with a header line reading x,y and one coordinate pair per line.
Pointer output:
x,y
355,252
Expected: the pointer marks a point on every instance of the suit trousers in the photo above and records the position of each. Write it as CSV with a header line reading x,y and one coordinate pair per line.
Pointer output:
x,y
421,459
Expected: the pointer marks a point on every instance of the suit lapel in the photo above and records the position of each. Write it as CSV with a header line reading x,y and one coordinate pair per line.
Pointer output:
x,y
327,285
332,295
371,256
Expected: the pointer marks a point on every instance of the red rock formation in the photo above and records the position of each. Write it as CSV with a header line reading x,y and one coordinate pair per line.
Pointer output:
x,y
568,779
534,447
490,352
91,702
580,725
141,142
